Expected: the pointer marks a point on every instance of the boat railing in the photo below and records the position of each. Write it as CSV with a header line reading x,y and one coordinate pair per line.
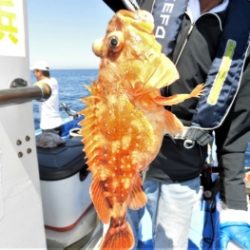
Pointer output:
x,y
19,92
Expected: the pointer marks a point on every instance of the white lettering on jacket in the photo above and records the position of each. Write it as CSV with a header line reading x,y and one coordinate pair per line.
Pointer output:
x,y
166,11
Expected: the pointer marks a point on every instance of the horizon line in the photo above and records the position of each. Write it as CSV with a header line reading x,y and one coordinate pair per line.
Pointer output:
x,y
76,68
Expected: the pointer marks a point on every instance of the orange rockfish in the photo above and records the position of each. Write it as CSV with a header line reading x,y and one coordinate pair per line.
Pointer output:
x,y
125,119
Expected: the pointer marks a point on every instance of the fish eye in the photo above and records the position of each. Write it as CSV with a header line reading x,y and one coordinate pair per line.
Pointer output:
x,y
115,41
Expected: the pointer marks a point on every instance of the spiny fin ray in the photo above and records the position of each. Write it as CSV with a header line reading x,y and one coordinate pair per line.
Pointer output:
x,y
101,204
172,124
178,98
138,199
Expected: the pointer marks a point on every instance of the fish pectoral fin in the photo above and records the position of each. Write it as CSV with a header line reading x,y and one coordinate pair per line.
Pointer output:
x,y
138,198
178,98
173,125
99,198
165,73
119,236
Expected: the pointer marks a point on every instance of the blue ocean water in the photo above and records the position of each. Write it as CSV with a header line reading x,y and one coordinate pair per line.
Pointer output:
x,y
71,89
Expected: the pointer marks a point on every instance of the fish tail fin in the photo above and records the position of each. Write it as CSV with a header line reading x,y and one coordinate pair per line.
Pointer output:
x,y
119,236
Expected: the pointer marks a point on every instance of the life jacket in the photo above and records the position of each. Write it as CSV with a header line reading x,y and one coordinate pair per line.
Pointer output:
x,y
224,77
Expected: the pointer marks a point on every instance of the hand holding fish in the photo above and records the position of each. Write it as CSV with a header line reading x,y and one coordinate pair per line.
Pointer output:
x,y
125,119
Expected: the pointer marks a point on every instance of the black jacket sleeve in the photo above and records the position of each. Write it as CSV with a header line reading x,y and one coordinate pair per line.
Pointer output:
x,y
232,138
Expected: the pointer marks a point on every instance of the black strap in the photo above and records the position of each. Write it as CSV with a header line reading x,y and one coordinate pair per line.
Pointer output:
x,y
146,4
115,5
168,16
122,4
131,5
201,136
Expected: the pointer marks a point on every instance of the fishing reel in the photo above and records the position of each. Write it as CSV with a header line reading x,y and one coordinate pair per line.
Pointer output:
x,y
68,110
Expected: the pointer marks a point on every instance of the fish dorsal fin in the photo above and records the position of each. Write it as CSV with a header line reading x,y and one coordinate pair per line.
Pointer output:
x,y
138,199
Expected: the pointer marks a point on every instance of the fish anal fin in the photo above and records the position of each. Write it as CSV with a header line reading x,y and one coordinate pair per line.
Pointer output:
x,y
100,201
138,198
172,124
119,236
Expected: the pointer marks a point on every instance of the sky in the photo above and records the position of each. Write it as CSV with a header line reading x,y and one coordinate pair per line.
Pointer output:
x,y
61,32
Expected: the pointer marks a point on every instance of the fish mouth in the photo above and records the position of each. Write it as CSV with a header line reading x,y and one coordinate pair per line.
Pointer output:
x,y
97,47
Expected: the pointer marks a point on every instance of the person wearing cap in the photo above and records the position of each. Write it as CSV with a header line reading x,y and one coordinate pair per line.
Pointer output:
x,y
50,118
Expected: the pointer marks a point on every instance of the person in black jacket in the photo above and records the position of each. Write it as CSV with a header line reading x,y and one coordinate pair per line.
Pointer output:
x,y
196,39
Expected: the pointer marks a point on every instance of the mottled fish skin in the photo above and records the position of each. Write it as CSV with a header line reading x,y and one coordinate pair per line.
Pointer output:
x,y
125,119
